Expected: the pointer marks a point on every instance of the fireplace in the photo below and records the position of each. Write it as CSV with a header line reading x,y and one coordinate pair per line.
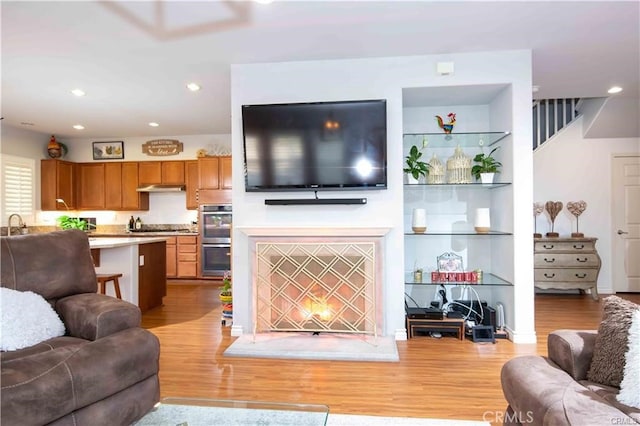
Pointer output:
x,y
309,281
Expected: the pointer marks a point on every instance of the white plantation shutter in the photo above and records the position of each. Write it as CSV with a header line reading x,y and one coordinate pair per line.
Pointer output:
x,y
18,187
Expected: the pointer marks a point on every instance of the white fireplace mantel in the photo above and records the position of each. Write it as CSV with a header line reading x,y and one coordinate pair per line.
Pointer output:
x,y
299,231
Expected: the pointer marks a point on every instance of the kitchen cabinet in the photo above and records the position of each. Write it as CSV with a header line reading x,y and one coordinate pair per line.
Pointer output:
x,y
171,261
91,186
187,256
57,180
215,180
121,183
131,198
225,172
192,182
161,172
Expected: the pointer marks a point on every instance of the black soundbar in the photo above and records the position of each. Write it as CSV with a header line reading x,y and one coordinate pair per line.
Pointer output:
x,y
313,201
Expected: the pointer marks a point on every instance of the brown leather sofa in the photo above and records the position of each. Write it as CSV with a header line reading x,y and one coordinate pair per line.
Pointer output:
x,y
554,390
104,371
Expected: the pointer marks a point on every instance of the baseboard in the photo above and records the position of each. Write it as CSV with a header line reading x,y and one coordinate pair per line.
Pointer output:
x,y
236,330
401,334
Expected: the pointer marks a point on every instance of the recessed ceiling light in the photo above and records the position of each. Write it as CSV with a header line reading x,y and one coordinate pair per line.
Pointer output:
x,y
535,89
78,126
264,1
153,124
78,92
615,89
194,87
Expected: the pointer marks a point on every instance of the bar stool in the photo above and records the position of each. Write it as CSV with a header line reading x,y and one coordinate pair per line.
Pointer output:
x,y
103,279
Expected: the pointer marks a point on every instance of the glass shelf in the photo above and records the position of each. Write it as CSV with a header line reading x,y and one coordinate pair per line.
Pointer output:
x,y
443,140
458,185
471,233
487,280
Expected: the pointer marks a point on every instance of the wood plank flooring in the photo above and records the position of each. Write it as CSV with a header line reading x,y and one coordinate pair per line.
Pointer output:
x,y
436,378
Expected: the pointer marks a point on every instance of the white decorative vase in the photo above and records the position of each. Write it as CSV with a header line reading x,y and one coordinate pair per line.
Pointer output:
x,y
482,222
419,221
487,178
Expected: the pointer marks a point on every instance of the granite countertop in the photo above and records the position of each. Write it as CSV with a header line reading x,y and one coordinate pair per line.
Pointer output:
x,y
99,243
142,234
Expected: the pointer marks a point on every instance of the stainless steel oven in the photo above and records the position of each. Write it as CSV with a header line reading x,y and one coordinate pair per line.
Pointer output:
x,y
215,234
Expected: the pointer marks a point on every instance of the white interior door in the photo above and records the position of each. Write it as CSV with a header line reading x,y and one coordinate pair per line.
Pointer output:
x,y
626,223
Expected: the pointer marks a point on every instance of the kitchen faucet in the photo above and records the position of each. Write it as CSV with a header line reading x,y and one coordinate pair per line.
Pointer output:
x,y
20,224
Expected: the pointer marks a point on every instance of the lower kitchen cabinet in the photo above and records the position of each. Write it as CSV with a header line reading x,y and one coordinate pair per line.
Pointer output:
x,y
187,257
172,269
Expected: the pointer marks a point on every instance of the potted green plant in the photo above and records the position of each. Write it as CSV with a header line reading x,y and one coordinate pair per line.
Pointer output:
x,y
68,222
226,295
226,298
486,166
415,167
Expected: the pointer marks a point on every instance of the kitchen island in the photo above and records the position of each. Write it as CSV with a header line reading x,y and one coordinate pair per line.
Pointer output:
x,y
142,263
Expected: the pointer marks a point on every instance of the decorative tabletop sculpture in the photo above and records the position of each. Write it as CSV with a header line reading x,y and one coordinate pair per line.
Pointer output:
x,y
553,208
537,209
447,127
576,208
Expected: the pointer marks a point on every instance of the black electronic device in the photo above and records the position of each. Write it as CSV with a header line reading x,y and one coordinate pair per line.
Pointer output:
x,y
314,201
470,309
424,313
315,146
482,333
489,317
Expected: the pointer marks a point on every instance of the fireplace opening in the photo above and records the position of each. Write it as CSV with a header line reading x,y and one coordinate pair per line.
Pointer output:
x,y
316,286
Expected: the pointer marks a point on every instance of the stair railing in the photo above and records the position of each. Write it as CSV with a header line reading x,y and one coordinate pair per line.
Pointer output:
x,y
550,116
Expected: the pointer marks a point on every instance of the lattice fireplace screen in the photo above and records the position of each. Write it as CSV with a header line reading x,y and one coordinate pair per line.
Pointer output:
x,y
319,287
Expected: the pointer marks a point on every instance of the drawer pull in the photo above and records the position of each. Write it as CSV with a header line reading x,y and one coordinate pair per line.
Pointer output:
x,y
553,259
548,247
583,260
581,275
578,246
550,275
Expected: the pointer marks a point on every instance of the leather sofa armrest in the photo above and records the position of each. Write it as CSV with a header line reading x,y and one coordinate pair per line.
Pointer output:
x,y
92,316
572,350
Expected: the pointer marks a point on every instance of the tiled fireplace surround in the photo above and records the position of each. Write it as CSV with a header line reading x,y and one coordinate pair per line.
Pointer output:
x,y
323,280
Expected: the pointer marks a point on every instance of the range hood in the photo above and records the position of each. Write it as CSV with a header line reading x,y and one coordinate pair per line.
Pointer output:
x,y
161,188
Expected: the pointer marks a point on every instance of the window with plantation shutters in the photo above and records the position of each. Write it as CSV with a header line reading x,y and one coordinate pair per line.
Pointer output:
x,y
18,187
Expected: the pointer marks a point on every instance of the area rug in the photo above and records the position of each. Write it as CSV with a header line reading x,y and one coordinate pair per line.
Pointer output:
x,y
327,346
179,415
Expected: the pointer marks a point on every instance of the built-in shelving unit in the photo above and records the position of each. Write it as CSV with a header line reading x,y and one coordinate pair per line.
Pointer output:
x,y
450,208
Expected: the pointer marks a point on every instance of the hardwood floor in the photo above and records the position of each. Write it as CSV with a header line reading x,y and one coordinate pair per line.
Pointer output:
x,y
436,378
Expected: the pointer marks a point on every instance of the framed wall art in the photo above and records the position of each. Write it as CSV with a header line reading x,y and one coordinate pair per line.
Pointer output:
x,y
450,262
112,150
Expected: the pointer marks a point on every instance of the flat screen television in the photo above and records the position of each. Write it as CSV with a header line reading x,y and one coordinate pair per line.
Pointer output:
x,y
315,146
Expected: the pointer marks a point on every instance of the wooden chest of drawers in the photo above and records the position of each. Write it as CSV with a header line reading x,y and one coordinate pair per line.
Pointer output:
x,y
566,263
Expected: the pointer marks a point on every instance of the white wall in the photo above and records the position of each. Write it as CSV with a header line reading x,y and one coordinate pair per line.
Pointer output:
x,y
570,168
164,208
377,78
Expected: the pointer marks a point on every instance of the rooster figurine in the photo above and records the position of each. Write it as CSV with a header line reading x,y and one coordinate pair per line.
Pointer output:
x,y
449,126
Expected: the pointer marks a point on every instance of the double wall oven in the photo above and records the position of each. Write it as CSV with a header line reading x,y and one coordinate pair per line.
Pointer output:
x,y
215,234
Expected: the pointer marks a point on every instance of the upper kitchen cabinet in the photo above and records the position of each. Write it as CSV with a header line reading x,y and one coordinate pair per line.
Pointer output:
x,y
91,186
121,187
161,172
215,180
192,183
57,181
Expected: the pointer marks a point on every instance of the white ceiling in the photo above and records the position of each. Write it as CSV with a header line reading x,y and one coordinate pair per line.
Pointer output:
x,y
133,59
